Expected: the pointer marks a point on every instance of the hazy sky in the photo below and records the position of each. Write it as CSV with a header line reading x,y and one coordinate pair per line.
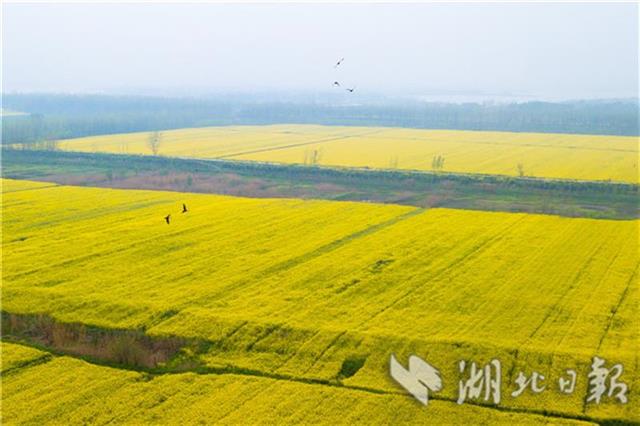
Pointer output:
x,y
541,50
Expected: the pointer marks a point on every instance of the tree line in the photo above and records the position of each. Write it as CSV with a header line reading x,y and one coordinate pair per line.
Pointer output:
x,y
67,116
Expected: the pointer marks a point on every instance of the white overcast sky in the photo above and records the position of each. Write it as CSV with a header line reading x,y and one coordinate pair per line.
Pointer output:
x,y
560,51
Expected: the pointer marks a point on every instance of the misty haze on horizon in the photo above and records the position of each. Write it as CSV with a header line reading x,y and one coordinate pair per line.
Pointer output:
x,y
431,52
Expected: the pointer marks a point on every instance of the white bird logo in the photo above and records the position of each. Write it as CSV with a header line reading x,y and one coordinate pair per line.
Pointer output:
x,y
419,379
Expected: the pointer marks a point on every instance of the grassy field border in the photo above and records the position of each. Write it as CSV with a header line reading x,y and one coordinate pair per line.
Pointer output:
x,y
32,330
571,198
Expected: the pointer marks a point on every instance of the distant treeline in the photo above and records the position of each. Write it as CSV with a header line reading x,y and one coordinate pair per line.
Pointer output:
x,y
67,116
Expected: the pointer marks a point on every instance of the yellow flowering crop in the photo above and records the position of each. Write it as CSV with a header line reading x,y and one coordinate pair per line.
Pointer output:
x,y
69,391
295,288
567,156
15,356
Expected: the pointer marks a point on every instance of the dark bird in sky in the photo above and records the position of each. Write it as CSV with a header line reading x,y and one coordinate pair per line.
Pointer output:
x,y
335,83
350,90
338,63
167,218
184,208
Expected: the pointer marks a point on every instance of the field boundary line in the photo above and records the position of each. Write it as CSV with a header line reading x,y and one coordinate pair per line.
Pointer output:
x,y
31,189
42,359
337,384
586,305
615,309
96,254
324,351
294,145
554,310
528,144
315,253
333,245
464,256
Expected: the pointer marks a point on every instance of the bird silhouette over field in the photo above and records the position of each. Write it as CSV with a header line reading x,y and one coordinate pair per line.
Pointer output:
x,y
184,208
336,83
167,218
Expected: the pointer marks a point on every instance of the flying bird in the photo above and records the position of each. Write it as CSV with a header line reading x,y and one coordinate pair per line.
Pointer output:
x,y
167,218
335,83
184,208
350,90
338,63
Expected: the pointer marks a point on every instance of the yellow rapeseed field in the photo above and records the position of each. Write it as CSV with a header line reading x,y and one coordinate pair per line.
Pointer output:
x,y
296,288
68,391
566,156
18,356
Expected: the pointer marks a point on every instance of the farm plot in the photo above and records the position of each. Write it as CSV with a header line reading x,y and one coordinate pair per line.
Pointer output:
x,y
63,390
327,291
565,156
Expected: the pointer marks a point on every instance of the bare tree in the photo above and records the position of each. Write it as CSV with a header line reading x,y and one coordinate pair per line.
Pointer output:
x,y
437,163
316,156
313,156
154,142
51,145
